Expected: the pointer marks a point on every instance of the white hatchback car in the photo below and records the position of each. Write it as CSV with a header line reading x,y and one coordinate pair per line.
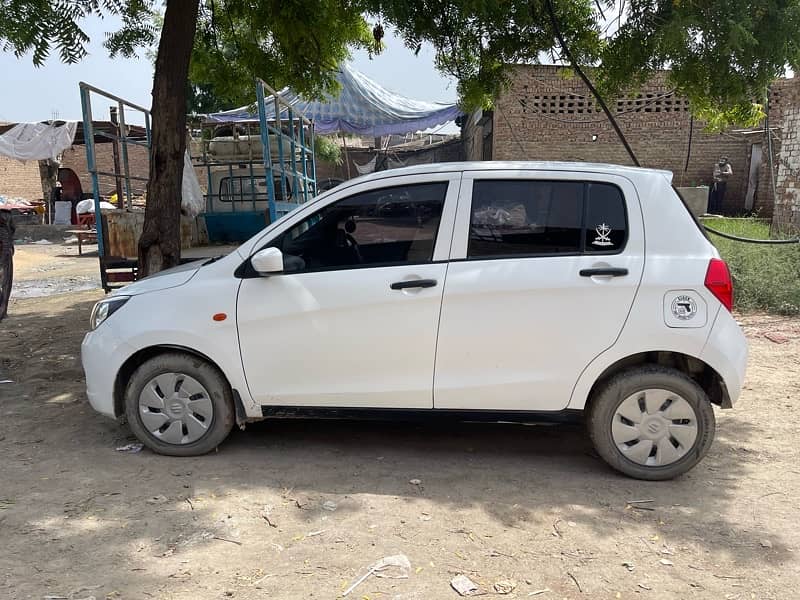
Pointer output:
x,y
481,291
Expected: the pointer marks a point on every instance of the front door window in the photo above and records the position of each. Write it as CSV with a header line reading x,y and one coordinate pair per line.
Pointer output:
x,y
385,227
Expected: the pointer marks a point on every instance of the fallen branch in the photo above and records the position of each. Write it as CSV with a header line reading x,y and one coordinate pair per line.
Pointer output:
x,y
580,589
222,539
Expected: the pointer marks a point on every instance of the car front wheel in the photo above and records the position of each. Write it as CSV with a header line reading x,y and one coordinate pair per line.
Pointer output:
x,y
179,405
651,423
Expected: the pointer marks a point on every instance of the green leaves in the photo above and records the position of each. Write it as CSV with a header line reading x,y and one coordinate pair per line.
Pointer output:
x,y
477,41
285,42
722,55
40,27
325,148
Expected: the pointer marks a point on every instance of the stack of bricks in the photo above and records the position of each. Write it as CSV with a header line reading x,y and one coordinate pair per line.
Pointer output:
x,y
549,114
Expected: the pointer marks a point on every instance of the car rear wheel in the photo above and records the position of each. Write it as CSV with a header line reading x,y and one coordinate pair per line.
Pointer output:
x,y
180,405
651,423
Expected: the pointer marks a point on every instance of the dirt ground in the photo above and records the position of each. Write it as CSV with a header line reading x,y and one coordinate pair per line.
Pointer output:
x,y
302,509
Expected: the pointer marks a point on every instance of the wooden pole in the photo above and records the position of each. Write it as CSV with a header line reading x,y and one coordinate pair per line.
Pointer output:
x,y
346,155
112,113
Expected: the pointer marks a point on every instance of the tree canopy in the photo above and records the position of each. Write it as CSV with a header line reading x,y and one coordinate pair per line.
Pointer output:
x,y
42,26
297,42
722,54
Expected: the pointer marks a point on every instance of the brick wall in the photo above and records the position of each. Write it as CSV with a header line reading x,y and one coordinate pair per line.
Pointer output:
x,y
138,161
20,180
548,114
785,124
787,183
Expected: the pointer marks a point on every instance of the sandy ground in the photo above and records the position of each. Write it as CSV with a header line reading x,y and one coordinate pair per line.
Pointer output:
x,y
528,506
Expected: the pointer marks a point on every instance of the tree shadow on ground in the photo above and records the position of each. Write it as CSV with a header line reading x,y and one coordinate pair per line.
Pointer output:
x,y
67,488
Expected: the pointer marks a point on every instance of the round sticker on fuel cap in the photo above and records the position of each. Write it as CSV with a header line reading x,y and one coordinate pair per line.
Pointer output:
x,y
684,308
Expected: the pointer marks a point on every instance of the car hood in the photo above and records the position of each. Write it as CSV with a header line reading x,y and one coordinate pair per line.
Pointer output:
x,y
168,278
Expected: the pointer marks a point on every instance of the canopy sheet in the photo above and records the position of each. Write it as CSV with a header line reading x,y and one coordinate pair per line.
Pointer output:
x,y
37,141
362,107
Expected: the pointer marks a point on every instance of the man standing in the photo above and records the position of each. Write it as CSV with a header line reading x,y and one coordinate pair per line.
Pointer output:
x,y
722,172
6,259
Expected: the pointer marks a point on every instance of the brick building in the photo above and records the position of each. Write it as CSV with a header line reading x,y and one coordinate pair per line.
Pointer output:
x,y
138,162
23,179
548,114
784,116
20,179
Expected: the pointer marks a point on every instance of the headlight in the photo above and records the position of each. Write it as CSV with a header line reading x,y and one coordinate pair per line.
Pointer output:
x,y
105,308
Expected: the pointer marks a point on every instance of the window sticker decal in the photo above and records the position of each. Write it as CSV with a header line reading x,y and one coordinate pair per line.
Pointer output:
x,y
603,236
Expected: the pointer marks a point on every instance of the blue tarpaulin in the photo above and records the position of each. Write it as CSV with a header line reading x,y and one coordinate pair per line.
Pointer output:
x,y
362,107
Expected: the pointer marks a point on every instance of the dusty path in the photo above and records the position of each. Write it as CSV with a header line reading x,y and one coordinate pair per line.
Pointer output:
x,y
528,504
43,270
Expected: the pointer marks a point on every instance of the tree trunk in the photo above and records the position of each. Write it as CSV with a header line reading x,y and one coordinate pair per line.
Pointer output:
x,y
160,244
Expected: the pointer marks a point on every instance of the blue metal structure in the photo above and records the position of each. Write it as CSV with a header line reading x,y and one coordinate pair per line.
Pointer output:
x,y
236,206
297,123
122,138
268,169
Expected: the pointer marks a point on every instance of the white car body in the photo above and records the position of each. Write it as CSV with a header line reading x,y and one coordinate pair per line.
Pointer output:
x,y
520,334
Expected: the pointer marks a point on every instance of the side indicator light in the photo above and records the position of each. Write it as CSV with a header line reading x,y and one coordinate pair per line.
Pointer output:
x,y
220,317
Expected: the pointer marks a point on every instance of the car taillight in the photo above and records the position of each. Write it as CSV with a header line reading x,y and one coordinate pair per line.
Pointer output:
x,y
719,283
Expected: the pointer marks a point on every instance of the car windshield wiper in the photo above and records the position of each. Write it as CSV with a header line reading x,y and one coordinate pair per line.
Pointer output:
x,y
213,260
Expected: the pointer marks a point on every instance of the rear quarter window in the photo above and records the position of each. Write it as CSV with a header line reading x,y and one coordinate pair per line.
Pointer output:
x,y
606,229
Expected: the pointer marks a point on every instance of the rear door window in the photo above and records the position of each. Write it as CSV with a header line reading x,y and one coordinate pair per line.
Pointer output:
x,y
542,218
511,218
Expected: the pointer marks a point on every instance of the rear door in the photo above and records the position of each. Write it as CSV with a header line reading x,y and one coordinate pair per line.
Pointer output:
x,y
544,270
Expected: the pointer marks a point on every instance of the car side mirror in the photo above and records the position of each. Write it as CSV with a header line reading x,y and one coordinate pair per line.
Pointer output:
x,y
268,261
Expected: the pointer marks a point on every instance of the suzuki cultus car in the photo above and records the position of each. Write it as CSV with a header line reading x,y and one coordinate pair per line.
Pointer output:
x,y
481,291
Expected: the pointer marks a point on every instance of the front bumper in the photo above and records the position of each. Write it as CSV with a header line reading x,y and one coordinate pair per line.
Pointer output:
x,y
102,356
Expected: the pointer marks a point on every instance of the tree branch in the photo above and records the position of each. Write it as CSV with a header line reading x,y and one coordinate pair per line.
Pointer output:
x,y
587,81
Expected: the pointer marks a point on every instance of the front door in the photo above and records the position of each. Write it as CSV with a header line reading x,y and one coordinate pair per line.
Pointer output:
x,y
544,270
353,320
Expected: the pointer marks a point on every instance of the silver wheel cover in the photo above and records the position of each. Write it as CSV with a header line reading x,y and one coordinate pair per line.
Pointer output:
x,y
175,408
654,427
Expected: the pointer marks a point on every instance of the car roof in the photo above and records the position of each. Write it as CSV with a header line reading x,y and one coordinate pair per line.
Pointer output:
x,y
498,165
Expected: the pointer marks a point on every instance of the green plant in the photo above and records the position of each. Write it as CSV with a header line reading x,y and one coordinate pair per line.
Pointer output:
x,y
327,149
765,277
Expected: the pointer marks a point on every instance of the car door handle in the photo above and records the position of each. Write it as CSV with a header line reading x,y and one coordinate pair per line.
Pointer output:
x,y
604,272
413,283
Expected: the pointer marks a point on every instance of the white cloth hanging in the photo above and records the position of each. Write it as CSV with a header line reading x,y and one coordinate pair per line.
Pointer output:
x,y
192,201
367,167
37,141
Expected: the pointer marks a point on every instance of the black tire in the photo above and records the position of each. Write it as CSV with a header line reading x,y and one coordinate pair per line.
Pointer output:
x,y
610,396
219,392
